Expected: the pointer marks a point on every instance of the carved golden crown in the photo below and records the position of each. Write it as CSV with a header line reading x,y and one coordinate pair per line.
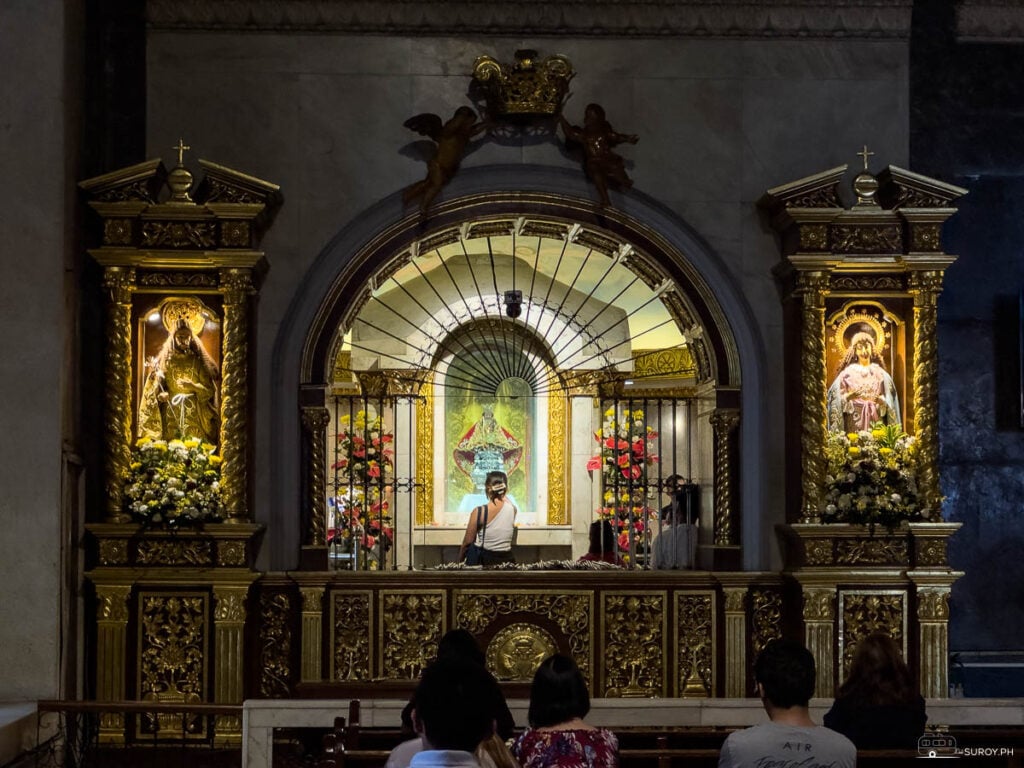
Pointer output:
x,y
528,88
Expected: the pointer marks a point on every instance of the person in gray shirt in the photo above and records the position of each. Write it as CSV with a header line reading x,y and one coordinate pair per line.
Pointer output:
x,y
784,675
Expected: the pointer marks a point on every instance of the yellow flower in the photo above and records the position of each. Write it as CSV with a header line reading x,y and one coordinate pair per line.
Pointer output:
x,y
878,434
136,464
638,415
854,450
209,447
215,460
884,451
141,442
853,437
192,442
610,412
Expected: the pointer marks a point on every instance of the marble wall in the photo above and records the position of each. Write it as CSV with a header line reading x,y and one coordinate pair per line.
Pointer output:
x,y
720,121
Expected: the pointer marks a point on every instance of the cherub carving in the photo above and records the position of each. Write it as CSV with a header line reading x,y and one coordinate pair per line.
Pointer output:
x,y
451,139
597,137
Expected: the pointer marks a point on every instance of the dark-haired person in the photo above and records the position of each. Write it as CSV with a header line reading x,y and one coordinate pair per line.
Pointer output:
x,y
453,713
604,547
491,526
558,737
878,707
784,676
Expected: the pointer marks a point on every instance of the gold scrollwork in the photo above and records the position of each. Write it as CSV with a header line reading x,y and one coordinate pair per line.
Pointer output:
x,y
735,600
231,552
869,283
178,279
118,406
819,604
695,644
571,611
925,287
864,613
188,552
425,455
634,642
275,637
812,287
557,450
351,621
859,238
237,287
113,551
411,625
229,604
172,657
653,363
516,651
765,617
179,234
877,551
933,604
113,603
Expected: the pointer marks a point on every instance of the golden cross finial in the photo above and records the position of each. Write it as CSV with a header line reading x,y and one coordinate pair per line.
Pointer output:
x,y
865,154
182,146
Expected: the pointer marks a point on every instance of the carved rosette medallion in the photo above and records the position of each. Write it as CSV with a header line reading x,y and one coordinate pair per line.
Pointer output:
x,y
813,237
188,552
172,657
925,237
275,639
113,551
237,287
411,625
231,553
929,552
314,424
872,551
765,618
818,551
571,612
351,619
633,628
558,442
117,232
695,644
516,651
235,234
865,612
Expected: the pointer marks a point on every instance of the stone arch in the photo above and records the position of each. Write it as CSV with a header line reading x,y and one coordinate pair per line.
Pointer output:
x,y
306,338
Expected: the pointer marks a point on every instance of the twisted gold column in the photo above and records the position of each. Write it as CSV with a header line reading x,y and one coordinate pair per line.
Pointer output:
x,y
118,423
314,423
312,633
724,421
819,613
811,287
933,618
735,642
925,288
229,650
111,655
237,287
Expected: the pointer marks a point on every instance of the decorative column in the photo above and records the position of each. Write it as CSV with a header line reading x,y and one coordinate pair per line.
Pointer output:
x,y
724,421
811,287
237,287
925,288
314,424
933,649
118,406
111,655
819,613
229,646
312,633
735,642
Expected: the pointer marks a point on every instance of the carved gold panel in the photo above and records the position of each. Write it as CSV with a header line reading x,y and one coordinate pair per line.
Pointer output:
x,y
275,638
351,620
694,640
633,630
425,455
862,612
516,651
173,666
175,552
765,618
411,624
558,448
571,611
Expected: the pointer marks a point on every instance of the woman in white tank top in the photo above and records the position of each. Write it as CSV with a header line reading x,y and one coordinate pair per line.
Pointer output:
x,y
489,532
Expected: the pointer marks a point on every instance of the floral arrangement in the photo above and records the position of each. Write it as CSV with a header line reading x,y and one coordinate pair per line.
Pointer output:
x,y
871,478
627,452
174,484
364,461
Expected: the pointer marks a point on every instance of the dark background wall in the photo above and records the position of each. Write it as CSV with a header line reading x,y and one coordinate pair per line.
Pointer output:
x,y
967,128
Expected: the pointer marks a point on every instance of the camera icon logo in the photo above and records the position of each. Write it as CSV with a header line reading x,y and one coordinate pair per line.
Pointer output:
x,y
936,745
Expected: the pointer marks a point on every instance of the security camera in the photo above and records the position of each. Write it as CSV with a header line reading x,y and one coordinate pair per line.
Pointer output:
x,y
513,303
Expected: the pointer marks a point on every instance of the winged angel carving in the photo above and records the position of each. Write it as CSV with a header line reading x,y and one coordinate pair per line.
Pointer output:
x,y
450,141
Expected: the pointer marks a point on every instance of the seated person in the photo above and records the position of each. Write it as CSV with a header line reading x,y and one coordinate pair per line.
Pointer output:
x,y
453,714
784,674
878,707
603,545
676,546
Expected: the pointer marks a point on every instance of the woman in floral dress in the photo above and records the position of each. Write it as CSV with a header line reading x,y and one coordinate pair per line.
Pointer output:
x,y
558,737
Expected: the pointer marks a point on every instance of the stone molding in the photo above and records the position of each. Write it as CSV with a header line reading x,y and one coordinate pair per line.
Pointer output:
x,y
767,19
988,21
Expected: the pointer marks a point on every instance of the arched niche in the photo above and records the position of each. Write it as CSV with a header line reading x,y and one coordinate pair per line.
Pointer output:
x,y
662,247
